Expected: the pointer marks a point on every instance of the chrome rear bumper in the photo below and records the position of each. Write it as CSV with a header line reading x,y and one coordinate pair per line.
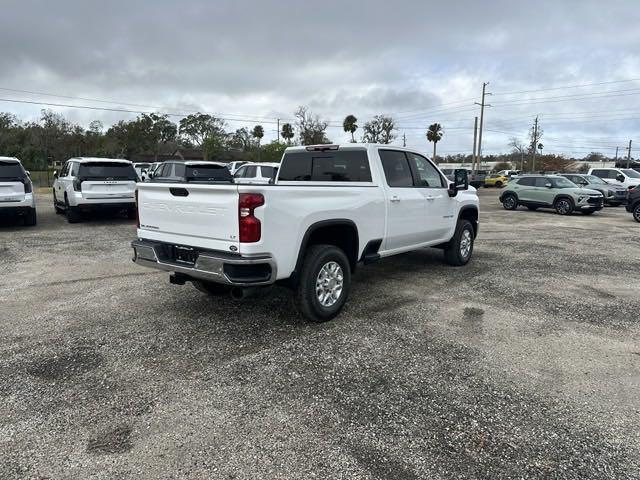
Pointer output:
x,y
211,266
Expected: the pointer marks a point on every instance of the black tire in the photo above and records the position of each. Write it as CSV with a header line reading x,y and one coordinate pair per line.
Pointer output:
x,y
588,212
510,202
73,216
564,206
59,211
454,253
531,207
210,288
316,259
636,213
30,219
498,184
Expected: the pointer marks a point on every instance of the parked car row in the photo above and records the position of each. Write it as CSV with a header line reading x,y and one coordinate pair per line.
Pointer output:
x,y
568,193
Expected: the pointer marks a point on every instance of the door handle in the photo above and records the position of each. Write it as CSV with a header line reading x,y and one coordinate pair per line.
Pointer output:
x,y
395,198
431,199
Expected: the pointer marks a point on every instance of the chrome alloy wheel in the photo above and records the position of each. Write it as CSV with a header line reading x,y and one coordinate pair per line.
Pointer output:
x,y
564,207
466,241
329,284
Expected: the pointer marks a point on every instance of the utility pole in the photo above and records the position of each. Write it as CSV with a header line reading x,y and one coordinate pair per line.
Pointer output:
x,y
629,154
278,130
534,144
473,155
404,139
482,105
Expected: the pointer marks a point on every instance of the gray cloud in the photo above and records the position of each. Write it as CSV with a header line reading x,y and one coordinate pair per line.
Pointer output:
x,y
257,58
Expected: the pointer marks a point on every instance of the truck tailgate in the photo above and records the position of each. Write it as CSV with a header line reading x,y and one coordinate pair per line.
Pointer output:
x,y
204,216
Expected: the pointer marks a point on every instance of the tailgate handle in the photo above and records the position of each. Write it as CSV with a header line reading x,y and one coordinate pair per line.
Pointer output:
x,y
179,192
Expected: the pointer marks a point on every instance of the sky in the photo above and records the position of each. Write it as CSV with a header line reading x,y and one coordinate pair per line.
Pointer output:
x,y
574,64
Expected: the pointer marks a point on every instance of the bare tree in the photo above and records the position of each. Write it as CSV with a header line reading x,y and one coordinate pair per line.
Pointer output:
x,y
311,129
516,144
379,130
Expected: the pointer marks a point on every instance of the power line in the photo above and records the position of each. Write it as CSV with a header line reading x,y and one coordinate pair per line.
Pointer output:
x,y
568,86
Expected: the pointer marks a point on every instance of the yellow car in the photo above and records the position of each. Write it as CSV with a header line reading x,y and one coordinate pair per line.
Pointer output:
x,y
496,180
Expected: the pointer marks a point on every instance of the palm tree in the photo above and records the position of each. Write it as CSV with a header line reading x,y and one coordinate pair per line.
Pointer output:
x,y
287,132
258,133
350,125
434,134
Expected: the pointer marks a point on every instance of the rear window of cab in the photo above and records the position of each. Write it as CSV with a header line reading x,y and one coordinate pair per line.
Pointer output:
x,y
325,166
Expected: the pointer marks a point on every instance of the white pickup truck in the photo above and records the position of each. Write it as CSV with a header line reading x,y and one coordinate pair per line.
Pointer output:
x,y
330,208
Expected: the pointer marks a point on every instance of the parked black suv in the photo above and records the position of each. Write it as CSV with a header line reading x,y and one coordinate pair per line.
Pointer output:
x,y
633,203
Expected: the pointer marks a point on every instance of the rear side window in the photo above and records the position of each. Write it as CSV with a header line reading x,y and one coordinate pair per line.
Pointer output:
x,y
542,182
208,173
268,172
11,170
107,171
396,168
527,182
329,166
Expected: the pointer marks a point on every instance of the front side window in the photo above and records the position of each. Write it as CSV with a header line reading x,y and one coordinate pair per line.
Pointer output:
x,y
268,172
595,180
562,183
426,174
396,168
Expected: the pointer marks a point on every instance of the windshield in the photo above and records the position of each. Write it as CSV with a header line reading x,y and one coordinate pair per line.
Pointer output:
x,y
208,173
630,173
11,170
595,180
107,171
142,166
563,183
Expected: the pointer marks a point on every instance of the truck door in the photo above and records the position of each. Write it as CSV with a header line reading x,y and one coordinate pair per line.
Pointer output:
x,y
437,219
405,203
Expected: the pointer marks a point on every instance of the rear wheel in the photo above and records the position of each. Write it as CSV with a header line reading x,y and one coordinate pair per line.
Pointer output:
x,y
73,216
510,202
323,287
30,218
210,288
459,249
636,213
563,206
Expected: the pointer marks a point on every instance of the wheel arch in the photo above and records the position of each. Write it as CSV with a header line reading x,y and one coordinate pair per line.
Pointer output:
x,y
341,232
471,213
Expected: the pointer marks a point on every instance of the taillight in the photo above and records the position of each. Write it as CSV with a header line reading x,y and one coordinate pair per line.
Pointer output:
x,y
250,228
137,210
77,184
28,186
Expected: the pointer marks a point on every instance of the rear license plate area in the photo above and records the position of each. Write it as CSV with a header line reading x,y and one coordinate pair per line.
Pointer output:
x,y
184,255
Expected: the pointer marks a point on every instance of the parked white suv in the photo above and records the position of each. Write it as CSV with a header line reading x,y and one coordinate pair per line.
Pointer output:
x,y
89,184
234,166
16,191
624,177
260,173
330,208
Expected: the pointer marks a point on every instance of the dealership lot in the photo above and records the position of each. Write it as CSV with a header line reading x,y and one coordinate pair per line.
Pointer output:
x,y
524,363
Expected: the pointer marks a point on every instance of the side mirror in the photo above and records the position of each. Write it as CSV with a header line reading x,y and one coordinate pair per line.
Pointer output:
x,y
548,185
620,177
460,181
55,174
28,173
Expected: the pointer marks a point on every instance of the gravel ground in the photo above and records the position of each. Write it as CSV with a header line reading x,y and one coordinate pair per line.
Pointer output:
x,y
524,364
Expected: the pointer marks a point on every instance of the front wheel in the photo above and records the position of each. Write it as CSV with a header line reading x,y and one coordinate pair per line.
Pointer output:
x,y
459,249
563,206
510,202
499,184
324,283
636,213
